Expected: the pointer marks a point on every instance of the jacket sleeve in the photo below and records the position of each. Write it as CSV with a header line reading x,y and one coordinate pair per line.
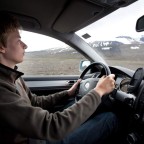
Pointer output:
x,y
37,123
45,102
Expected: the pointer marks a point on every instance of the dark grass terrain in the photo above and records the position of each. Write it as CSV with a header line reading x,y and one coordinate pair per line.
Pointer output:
x,y
51,65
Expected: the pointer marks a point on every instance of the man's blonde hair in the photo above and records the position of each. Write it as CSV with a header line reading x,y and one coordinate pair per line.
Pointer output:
x,y
8,23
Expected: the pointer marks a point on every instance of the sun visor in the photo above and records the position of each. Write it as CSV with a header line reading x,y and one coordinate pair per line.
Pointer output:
x,y
75,15
28,23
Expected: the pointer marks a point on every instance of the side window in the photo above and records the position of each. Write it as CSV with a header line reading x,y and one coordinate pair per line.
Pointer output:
x,y
48,56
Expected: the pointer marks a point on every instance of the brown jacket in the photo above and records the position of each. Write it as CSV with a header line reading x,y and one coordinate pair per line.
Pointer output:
x,y
24,115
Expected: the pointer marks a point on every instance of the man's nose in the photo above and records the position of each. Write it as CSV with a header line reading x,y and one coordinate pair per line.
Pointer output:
x,y
24,45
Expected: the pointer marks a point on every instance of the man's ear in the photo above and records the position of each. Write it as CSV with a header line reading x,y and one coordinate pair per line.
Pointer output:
x,y
2,49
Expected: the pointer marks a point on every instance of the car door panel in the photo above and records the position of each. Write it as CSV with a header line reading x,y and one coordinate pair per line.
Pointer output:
x,y
49,84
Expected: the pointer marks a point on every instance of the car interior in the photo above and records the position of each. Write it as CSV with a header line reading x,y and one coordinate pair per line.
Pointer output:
x,y
60,19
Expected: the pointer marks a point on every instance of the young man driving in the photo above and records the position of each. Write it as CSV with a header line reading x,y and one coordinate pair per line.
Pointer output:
x,y
25,116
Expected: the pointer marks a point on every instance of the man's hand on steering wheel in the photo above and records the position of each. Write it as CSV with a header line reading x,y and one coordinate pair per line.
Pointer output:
x,y
72,90
105,85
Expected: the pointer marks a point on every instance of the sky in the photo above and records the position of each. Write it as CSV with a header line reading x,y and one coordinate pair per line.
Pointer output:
x,y
37,42
120,23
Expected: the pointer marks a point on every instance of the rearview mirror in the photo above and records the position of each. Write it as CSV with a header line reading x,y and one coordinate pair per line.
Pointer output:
x,y
140,24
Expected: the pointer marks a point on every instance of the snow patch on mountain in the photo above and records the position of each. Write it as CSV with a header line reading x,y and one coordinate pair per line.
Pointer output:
x,y
126,40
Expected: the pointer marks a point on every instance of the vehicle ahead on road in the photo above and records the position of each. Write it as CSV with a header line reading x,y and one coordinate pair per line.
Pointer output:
x,y
64,37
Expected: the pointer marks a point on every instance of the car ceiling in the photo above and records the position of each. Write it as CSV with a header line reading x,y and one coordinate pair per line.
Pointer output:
x,y
62,16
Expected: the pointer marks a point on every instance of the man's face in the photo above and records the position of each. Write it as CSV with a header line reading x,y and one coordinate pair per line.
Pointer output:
x,y
15,48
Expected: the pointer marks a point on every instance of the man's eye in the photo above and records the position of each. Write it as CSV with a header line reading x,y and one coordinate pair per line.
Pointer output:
x,y
19,41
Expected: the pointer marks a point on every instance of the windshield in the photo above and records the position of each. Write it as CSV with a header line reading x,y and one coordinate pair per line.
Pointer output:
x,y
115,39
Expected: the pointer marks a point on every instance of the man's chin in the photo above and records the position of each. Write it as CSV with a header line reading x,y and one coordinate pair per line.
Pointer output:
x,y
20,61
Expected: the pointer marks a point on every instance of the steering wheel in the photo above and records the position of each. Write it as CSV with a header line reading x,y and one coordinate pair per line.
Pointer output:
x,y
88,84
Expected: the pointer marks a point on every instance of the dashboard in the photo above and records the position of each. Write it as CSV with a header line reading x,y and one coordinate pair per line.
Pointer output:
x,y
122,77
122,83
126,80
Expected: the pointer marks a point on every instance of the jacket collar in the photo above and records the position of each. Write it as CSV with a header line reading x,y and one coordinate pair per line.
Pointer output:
x,y
9,74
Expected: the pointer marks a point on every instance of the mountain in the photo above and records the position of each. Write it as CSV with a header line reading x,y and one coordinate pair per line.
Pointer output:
x,y
122,47
59,51
120,40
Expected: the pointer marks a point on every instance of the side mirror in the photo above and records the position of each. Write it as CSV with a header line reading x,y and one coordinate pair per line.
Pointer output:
x,y
140,24
83,65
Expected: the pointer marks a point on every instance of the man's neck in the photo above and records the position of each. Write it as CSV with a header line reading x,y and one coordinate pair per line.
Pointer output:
x,y
8,64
